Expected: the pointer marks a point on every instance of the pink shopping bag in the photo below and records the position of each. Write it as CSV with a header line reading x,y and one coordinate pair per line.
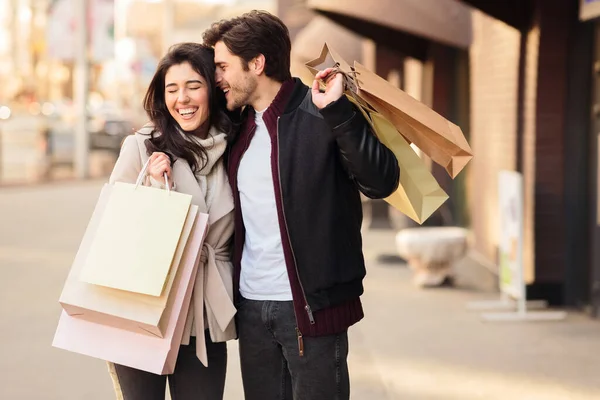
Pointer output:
x,y
137,350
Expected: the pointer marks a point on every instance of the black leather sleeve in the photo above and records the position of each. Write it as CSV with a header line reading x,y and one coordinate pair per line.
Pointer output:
x,y
370,164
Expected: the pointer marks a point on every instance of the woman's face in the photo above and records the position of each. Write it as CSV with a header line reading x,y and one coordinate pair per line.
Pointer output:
x,y
186,97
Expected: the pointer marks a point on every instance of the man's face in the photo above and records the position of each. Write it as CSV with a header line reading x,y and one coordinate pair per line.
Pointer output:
x,y
238,84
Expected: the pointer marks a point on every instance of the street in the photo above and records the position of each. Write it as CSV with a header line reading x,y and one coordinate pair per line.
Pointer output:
x,y
413,344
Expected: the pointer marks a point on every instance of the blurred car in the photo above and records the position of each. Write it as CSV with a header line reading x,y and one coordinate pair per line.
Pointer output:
x,y
105,134
109,133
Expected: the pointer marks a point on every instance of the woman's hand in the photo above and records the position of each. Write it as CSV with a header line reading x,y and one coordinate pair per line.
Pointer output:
x,y
159,164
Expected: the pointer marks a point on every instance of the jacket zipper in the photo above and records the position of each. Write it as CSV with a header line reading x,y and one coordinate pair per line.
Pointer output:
x,y
300,342
287,231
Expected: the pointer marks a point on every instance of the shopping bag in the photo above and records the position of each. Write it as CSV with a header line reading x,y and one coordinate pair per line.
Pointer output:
x,y
137,350
437,137
136,240
418,194
127,310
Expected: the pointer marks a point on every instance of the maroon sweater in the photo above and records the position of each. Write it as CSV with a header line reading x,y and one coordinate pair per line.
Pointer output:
x,y
327,321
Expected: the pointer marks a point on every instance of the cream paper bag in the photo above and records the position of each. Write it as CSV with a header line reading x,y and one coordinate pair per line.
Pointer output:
x,y
135,243
153,354
126,310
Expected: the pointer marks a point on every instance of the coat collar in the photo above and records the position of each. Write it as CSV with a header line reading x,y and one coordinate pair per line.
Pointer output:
x,y
186,182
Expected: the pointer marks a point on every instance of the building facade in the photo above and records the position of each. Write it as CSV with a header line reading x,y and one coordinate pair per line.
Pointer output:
x,y
521,79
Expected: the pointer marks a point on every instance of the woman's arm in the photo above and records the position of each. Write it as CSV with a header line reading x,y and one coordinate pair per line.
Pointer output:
x,y
129,163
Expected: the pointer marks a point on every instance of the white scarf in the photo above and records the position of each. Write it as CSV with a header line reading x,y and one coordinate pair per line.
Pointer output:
x,y
215,145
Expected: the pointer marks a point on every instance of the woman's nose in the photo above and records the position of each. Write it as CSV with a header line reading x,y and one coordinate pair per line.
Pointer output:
x,y
183,97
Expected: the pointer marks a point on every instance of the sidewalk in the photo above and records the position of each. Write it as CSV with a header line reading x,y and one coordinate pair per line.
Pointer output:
x,y
413,344
423,344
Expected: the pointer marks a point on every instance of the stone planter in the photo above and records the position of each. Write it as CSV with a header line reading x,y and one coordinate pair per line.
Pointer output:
x,y
431,251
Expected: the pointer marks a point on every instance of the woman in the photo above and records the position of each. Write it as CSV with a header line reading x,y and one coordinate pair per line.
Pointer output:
x,y
186,139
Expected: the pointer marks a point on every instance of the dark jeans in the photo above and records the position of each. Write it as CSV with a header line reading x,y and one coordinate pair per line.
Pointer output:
x,y
190,381
272,368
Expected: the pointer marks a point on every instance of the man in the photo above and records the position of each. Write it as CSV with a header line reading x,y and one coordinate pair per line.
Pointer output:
x,y
296,169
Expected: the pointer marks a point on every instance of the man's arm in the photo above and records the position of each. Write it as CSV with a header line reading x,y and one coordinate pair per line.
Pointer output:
x,y
371,164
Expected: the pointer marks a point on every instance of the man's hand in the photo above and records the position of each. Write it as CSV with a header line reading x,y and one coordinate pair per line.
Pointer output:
x,y
334,88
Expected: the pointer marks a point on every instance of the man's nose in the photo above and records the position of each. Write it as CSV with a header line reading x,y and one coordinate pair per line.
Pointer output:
x,y
218,76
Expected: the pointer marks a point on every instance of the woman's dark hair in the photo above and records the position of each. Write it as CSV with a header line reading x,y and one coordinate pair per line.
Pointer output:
x,y
170,141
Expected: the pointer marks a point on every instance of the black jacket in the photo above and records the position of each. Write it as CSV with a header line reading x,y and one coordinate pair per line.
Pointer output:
x,y
321,161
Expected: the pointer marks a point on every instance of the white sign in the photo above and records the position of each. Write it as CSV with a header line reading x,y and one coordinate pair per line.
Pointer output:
x,y
510,246
63,30
102,35
510,193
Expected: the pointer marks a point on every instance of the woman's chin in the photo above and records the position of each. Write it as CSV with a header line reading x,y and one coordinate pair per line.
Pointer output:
x,y
189,126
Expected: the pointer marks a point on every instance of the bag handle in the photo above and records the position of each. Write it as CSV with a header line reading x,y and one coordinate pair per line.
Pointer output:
x,y
350,89
142,175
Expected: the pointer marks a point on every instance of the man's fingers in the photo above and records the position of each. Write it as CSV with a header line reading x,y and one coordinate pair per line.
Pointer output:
x,y
322,74
315,87
327,75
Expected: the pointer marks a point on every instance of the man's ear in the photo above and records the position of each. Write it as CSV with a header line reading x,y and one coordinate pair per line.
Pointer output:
x,y
257,65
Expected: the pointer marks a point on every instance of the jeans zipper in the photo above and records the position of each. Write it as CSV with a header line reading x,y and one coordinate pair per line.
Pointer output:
x,y
306,306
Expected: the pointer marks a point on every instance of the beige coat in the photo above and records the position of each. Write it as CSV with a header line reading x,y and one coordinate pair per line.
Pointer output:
x,y
213,289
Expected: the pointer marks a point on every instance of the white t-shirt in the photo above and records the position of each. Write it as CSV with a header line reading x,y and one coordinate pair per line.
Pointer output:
x,y
264,274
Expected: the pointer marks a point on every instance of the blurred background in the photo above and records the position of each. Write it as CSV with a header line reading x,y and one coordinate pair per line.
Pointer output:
x,y
520,77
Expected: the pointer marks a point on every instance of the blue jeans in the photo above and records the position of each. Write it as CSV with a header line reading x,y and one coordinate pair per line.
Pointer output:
x,y
272,367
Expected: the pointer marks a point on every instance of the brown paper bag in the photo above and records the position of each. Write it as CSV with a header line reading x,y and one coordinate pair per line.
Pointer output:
x,y
437,137
418,194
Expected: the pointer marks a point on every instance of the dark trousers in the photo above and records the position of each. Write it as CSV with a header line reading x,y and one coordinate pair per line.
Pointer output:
x,y
272,368
190,381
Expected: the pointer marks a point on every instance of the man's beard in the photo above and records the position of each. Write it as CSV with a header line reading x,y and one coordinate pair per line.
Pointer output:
x,y
240,95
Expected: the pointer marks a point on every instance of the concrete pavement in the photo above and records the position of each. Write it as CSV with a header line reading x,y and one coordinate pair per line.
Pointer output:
x,y
413,344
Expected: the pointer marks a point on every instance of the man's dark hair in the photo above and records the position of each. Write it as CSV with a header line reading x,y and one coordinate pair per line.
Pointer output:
x,y
254,33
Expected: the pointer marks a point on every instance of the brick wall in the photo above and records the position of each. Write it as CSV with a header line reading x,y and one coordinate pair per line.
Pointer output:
x,y
518,122
494,58
550,212
528,150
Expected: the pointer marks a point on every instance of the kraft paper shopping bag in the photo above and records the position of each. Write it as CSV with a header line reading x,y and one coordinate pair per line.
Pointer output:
x,y
437,137
418,194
